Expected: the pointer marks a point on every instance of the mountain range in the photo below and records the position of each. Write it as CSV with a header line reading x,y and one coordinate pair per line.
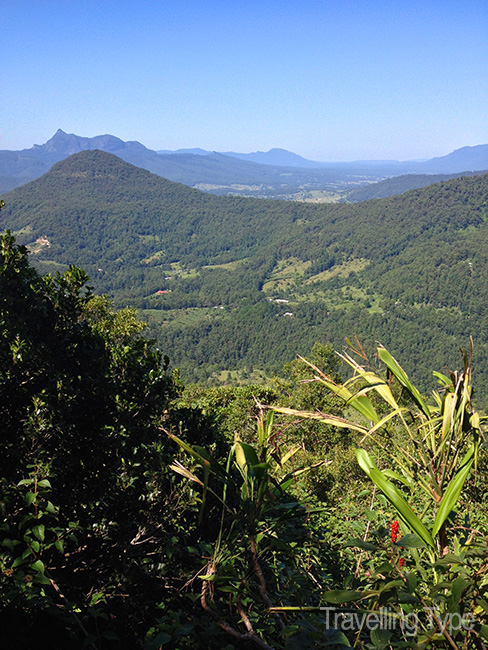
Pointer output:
x,y
275,174
232,283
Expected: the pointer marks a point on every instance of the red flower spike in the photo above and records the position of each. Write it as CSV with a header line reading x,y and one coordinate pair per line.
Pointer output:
x,y
394,536
394,531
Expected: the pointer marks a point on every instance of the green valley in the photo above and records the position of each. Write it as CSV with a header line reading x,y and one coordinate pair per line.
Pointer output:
x,y
229,283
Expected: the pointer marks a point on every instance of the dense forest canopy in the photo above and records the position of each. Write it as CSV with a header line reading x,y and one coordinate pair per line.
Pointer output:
x,y
136,512
233,284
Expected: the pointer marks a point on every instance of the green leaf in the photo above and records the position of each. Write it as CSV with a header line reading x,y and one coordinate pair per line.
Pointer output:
x,y
394,496
25,481
484,632
201,455
397,477
30,497
344,595
209,578
458,586
96,597
410,541
39,531
483,604
35,546
44,483
400,374
380,638
360,543
38,565
411,582
453,491
9,543
448,559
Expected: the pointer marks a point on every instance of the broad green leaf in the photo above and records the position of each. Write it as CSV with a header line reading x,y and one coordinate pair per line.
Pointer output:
x,y
251,458
393,365
394,496
458,586
448,559
410,541
397,500
411,582
44,483
35,546
484,632
364,460
38,565
453,491
380,639
30,497
39,531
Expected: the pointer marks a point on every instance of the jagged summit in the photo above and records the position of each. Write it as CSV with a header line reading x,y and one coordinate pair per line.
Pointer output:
x,y
67,144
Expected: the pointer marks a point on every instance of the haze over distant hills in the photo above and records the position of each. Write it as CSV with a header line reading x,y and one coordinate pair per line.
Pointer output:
x,y
274,174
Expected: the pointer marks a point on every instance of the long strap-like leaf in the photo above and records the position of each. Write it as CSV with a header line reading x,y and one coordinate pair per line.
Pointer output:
x,y
394,496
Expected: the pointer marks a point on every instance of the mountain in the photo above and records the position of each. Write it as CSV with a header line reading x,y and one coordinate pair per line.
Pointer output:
x,y
274,174
213,172
277,157
96,210
400,184
231,283
464,159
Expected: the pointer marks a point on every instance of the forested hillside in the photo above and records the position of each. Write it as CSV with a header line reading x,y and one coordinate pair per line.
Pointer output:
x,y
399,185
243,284
140,513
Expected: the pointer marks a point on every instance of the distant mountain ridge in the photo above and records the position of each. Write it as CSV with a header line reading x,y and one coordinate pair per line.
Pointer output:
x,y
277,173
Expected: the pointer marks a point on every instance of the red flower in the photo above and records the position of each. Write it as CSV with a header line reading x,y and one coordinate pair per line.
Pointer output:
x,y
394,531
394,536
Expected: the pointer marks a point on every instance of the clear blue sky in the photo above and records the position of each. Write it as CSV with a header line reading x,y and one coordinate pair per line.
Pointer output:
x,y
328,79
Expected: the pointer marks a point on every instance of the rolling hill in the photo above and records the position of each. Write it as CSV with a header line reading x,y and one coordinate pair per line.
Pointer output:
x,y
235,283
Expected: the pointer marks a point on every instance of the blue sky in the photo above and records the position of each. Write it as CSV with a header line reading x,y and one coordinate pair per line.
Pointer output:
x,y
330,80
